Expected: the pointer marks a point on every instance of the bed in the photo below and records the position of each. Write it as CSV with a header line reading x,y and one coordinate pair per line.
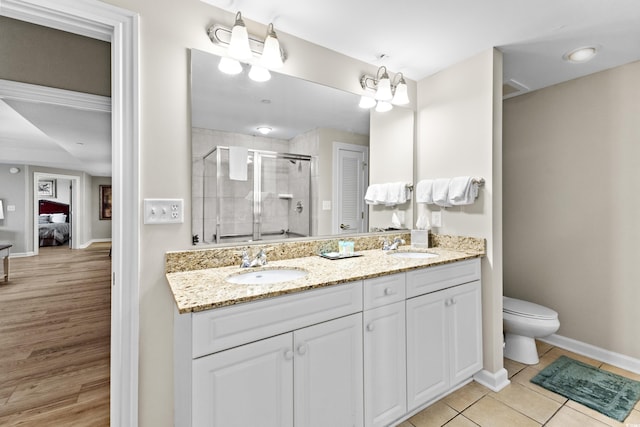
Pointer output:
x,y
53,223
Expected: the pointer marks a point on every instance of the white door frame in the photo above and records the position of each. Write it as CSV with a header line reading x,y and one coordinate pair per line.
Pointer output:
x,y
120,27
335,217
77,221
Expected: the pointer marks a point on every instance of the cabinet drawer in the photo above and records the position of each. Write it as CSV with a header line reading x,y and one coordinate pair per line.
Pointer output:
x,y
432,279
227,327
384,290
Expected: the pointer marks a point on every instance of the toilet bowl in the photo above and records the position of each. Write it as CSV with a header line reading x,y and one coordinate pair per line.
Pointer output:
x,y
523,322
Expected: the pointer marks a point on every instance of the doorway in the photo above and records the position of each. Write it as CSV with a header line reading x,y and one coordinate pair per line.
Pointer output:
x,y
350,181
120,27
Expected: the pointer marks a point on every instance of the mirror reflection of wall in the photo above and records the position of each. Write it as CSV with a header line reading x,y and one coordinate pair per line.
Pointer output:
x,y
304,118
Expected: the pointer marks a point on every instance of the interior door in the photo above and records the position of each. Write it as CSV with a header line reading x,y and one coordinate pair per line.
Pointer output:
x,y
351,177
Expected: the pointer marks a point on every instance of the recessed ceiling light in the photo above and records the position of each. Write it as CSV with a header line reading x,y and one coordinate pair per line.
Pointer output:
x,y
582,54
265,130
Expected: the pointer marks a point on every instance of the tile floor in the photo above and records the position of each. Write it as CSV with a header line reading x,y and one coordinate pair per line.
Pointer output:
x,y
521,403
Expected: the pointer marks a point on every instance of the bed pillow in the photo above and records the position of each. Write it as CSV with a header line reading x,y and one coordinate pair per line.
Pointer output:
x,y
44,219
58,217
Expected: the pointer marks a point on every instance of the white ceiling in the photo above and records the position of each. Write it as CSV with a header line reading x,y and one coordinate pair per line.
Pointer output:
x,y
421,37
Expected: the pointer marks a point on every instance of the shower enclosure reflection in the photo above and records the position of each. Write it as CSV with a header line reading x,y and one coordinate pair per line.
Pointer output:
x,y
274,202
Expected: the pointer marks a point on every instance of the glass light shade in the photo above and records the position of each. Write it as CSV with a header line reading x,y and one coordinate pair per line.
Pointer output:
x,y
383,93
229,66
271,56
383,106
265,130
581,55
367,102
239,44
259,74
400,97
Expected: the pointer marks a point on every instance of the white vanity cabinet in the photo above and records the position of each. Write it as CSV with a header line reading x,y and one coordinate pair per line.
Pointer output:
x,y
444,329
293,360
385,375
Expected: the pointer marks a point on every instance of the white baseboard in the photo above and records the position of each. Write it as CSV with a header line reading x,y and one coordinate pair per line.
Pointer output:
x,y
21,254
90,242
612,358
495,381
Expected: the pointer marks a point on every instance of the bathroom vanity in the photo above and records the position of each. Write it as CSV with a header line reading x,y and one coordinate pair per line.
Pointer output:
x,y
366,341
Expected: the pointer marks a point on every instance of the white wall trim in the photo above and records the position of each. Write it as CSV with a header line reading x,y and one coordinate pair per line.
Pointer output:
x,y
612,358
495,381
21,254
49,95
90,242
120,27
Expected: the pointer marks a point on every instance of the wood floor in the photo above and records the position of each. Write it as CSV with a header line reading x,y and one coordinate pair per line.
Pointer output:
x,y
55,337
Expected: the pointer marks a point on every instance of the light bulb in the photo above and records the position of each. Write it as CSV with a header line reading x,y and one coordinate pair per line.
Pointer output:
x,y
265,130
384,88
582,54
401,97
383,106
271,55
239,43
367,102
229,66
259,74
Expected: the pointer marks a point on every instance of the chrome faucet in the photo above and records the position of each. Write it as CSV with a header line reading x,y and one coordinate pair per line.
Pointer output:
x,y
246,262
258,260
386,246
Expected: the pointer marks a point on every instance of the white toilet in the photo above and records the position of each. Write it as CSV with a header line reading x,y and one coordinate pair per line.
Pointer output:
x,y
523,322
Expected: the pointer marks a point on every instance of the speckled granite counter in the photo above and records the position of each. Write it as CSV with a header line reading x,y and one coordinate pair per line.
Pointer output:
x,y
203,289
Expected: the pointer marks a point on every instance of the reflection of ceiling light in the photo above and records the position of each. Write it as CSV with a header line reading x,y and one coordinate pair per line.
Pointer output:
x,y
14,170
259,74
383,106
367,102
265,130
582,54
229,66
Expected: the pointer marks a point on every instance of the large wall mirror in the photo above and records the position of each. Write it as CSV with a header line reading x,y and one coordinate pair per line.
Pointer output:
x,y
287,158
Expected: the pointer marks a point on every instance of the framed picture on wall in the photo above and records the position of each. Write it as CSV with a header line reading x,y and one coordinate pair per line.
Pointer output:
x,y
105,202
47,188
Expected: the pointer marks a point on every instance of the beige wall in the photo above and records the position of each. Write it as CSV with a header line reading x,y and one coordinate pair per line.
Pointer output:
x,y
48,57
572,207
100,229
391,160
458,133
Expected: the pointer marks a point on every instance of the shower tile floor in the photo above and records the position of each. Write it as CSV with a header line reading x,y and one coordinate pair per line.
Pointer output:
x,y
521,403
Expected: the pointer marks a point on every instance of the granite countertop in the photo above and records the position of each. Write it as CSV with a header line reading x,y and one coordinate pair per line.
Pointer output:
x,y
205,289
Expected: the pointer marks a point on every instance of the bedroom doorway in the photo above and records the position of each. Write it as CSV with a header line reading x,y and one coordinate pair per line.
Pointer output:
x,y
53,196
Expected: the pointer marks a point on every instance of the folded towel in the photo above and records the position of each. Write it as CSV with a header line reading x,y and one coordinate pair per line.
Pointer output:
x,y
371,195
424,191
441,192
462,191
396,193
238,163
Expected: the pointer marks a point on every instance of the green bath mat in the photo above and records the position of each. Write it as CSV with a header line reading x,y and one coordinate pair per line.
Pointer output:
x,y
607,393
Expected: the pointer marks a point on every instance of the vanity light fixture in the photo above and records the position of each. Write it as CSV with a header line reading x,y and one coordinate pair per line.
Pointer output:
x,y
386,92
581,54
241,46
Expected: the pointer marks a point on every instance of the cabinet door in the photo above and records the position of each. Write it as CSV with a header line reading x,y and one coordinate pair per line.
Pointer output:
x,y
465,330
250,385
328,374
427,365
385,374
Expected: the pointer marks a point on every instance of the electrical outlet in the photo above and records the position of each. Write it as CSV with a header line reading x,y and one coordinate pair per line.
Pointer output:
x,y
436,219
163,211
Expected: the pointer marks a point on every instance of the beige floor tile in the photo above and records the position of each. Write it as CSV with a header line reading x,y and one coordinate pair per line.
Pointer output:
x,y
556,352
524,378
405,424
489,412
633,419
543,347
461,421
598,416
567,417
528,402
513,367
466,396
435,415
620,371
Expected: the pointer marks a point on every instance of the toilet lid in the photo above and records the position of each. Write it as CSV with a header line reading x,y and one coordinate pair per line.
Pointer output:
x,y
527,309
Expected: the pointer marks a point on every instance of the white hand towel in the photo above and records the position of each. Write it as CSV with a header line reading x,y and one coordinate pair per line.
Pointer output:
x,y
371,195
396,193
238,163
441,192
382,194
424,191
462,191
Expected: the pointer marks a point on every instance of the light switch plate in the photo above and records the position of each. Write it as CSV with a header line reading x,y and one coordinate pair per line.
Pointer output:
x,y
163,211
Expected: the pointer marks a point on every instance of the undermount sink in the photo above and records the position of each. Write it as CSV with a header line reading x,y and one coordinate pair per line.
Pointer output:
x,y
266,277
417,255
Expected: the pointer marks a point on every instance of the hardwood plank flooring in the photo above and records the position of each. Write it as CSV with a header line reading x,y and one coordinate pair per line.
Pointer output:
x,y
55,320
